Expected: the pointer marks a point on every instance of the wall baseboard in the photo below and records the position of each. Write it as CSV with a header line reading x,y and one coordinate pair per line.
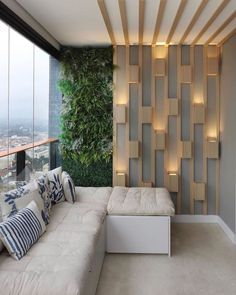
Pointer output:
x,y
206,219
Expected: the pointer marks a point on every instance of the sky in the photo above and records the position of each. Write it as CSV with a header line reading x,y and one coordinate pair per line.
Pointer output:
x,y
27,81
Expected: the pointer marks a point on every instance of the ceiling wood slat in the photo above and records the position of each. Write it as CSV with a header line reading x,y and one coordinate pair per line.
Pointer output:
x,y
107,21
159,19
194,20
123,16
211,20
141,21
221,28
176,20
227,37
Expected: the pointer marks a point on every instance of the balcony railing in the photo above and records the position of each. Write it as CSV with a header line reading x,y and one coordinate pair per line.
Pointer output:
x,y
20,152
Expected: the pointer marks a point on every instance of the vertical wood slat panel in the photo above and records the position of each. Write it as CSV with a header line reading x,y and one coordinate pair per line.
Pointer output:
x,y
114,144
218,136
140,129
154,115
179,194
191,164
166,82
127,53
170,153
204,176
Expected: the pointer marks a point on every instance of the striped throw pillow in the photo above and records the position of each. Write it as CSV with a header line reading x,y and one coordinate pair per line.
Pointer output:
x,y
69,187
19,232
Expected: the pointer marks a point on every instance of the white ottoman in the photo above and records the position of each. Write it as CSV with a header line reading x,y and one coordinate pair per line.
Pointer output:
x,y
138,220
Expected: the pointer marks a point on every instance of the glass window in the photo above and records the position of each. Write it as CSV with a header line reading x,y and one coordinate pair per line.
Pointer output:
x,y
24,101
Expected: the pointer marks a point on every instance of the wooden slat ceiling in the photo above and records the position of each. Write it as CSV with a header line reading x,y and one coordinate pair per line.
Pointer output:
x,y
177,18
127,22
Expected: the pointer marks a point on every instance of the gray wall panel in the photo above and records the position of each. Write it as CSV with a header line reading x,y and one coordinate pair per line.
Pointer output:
x,y
133,170
211,186
185,55
185,186
159,168
185,112
172,72
133,55
133,112
146,151
146,72
228,137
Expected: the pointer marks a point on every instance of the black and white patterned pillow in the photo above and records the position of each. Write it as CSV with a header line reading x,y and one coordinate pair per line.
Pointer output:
x,y
44,191
69,187
17,199
56,192
27,221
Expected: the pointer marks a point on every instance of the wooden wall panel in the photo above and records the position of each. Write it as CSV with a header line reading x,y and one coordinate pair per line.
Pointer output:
x,y
162,102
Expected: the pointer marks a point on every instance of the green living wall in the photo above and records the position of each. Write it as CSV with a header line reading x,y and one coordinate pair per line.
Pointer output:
x,y
86,84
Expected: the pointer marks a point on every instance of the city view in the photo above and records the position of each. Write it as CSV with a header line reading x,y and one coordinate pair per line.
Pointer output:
x,y
20,134
24,101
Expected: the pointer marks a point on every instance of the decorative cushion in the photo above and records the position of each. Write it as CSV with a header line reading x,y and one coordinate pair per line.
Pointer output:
x,y
56,193
69,187
44,189
15,200
19,232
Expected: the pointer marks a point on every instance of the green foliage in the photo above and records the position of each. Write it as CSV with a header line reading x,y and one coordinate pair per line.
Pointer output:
x,y
96,174
86,118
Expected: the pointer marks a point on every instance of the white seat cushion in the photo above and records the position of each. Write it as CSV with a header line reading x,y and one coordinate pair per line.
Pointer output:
x,y
140,201
61,259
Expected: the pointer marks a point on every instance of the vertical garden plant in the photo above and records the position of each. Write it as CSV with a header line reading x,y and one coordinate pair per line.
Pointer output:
x,y
86,118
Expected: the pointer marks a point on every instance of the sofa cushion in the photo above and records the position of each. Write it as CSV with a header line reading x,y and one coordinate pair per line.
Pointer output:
x,y
61,259
19,232
15,200
69,187
93,195
140,201
56,192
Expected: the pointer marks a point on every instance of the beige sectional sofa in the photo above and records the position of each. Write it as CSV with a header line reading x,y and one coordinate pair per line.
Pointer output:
x,y
68,257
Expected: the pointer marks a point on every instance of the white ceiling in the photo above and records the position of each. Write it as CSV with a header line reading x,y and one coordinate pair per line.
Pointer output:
x,y
79,22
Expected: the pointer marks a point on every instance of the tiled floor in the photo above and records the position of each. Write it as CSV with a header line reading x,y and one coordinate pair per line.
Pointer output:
x,y
203,262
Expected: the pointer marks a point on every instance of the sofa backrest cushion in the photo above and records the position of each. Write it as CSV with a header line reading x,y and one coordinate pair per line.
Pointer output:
x,y
69,187
19,232
93,194
56,193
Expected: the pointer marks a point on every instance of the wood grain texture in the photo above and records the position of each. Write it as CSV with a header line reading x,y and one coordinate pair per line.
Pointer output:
x,y
159,19
191,161
210,21
124,20
103,9
179,96
141,21
127,65
204,154
195,18
227,37
176,20
154,116
140,125
221,28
